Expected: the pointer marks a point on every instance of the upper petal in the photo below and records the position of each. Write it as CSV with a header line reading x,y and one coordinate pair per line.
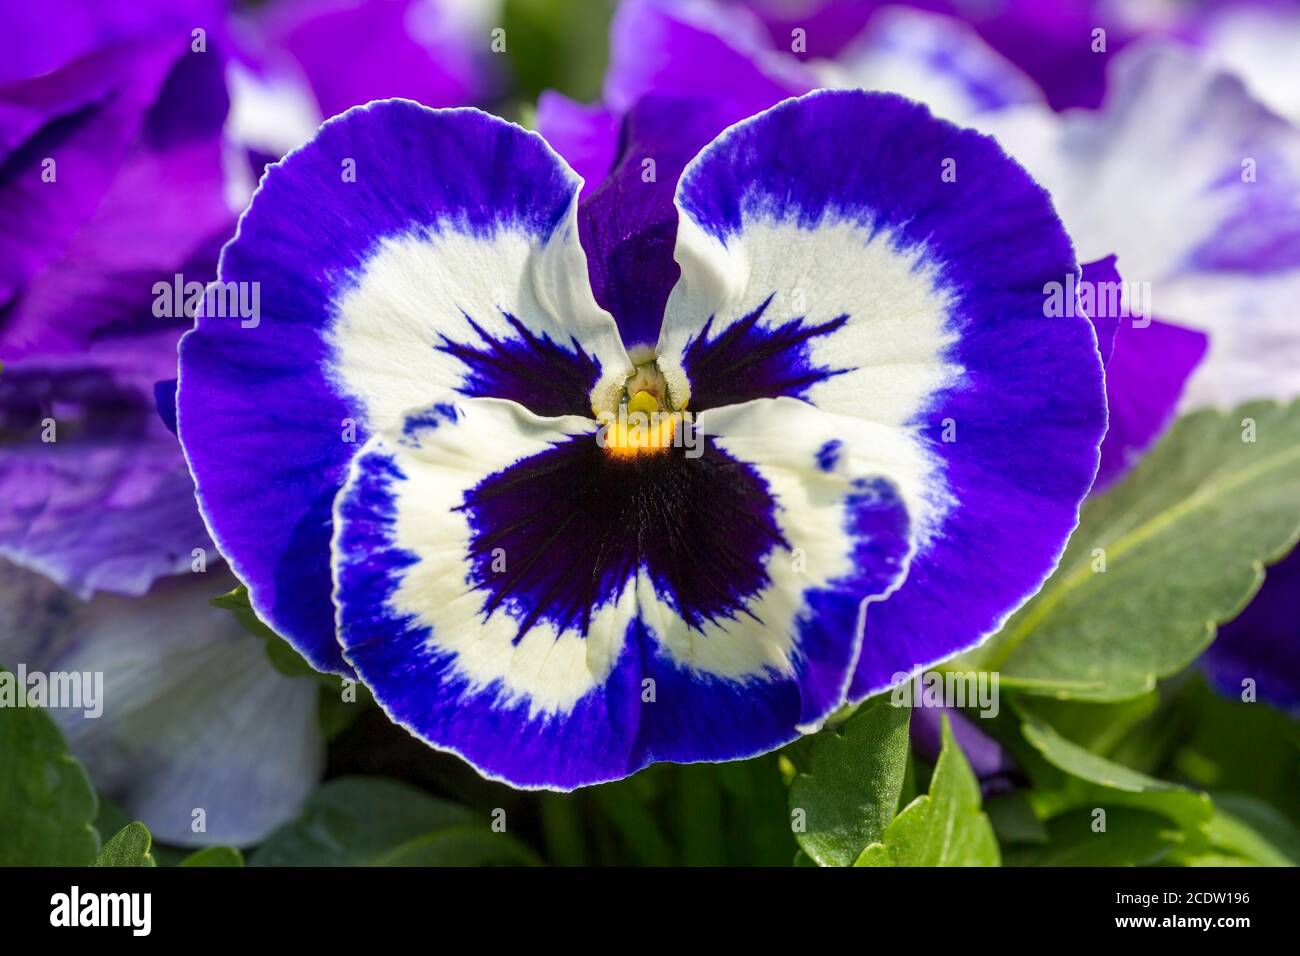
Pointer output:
x,y
403,254
826,255
628,223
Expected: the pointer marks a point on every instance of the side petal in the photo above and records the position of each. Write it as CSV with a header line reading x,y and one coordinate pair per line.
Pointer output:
x,y
849,249
403,254
558,616
1147,364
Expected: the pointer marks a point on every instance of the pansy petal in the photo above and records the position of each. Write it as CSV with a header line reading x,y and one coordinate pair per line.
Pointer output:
x,y
96,491
156,206
1147,364
63,137
1196,186
354,51
1257,42
1263,644
585,135
992,765
825,256
403,254
934,59
1145,379
41,37
193,715
559,616
628,223
678,48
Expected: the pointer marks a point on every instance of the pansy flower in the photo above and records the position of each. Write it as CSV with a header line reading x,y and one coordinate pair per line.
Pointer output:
x,y
564,536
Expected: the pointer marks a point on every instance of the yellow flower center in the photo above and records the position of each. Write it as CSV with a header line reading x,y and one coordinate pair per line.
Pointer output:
x,y
644,420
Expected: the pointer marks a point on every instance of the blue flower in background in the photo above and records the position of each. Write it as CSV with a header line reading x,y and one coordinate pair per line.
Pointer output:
x,y
405,460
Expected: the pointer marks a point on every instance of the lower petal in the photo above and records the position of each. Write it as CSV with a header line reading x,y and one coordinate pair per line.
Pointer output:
x,y
557,616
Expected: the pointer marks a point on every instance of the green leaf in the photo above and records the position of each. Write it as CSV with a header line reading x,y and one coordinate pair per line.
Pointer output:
x,y
358,821
1014,820
47,803
129,847
563,831
459,846
1253,830
1096,726
236,601
625,805
110,818
284,658
851,793
700,816
1232,745
1090,780
755,812
1184,539
214,856
1131,838
943,828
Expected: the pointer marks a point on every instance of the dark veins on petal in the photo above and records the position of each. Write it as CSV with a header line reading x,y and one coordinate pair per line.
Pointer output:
x,y
747,361
575,523
545,377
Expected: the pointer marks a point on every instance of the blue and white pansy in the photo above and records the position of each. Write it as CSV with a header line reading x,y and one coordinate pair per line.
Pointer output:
x,y
563,552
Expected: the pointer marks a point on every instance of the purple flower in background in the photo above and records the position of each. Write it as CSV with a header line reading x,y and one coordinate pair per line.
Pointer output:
x,y
120,170
1063,46
352,51
1261,645
113,180
989,761
1257,42
430,433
